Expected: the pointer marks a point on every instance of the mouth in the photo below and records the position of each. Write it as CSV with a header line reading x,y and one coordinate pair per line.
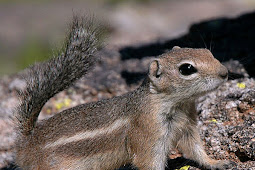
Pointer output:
x,y
212,84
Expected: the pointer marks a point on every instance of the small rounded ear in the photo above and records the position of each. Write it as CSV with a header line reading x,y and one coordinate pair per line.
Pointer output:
x,y
155,70
176,47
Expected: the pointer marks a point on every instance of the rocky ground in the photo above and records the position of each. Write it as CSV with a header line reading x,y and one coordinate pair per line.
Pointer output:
x,y
226,116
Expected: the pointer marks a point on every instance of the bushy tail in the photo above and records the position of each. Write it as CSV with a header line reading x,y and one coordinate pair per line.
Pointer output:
x,y
48,78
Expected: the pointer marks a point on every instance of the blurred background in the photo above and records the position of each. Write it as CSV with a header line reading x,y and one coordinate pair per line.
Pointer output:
x,y
31,31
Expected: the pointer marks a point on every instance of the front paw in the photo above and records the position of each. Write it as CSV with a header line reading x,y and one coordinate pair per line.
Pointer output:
x,y
220,165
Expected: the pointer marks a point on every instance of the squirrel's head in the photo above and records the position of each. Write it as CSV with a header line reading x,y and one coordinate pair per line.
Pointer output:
x,y
186,72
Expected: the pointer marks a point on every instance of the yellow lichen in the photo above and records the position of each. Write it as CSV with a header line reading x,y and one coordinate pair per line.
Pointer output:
x,y
67,102
48,111
241,85
184,167
61,104
214,121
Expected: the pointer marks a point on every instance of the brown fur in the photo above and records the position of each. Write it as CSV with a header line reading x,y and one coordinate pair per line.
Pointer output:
x,y
139,127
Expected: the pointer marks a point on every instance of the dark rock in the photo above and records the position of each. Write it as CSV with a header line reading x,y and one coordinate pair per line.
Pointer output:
x,y
226,38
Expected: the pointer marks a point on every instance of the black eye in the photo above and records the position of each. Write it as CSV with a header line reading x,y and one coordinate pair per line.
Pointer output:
x,y
187,69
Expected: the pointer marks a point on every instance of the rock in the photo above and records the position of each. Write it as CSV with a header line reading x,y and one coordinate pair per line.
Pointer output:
x,y
231,135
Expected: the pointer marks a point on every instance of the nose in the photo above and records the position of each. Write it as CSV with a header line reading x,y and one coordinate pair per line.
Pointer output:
x,y
223,72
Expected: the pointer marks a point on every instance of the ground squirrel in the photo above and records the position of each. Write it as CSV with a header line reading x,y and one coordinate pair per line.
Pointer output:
x,y
139,127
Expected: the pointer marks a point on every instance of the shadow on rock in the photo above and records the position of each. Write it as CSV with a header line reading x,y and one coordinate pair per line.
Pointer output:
x,y
226,38
172,164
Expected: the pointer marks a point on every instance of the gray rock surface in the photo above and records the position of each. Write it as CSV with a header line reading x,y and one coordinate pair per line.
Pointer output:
x,y
227,121
226,116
